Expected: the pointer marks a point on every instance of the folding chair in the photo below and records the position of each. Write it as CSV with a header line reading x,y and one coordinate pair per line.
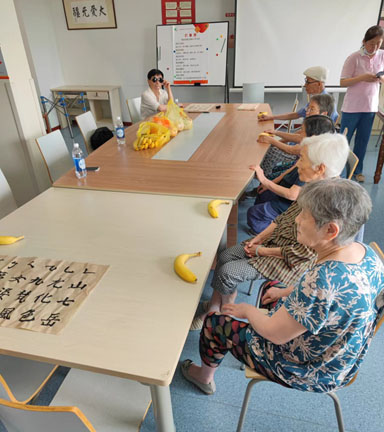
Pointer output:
x,y
351,164
256,377
55,154
288,125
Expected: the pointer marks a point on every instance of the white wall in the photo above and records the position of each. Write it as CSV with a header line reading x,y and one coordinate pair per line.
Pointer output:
x,y
26,167
120,56
39,38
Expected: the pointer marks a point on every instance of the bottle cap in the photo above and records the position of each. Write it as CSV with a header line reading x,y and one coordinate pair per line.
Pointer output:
x,y
75,145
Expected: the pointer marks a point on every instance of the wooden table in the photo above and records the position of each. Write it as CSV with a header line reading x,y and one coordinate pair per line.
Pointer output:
x,y
135,322
218,169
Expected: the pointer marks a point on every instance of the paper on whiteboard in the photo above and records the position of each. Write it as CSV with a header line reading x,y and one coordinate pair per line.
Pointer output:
x,y
190,61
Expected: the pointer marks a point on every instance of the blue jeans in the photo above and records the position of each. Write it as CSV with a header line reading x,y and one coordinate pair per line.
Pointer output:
x,y
361,122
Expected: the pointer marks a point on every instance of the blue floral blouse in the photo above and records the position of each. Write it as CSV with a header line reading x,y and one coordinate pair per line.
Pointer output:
x,y
338,304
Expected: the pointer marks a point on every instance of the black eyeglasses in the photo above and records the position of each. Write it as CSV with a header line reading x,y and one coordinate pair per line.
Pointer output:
x,y
310,82
155,79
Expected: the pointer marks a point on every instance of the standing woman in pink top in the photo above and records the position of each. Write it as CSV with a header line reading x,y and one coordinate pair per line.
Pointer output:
x,y
361,101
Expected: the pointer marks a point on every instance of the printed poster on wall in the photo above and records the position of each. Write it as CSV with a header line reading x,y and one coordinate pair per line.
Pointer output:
x,y
178,12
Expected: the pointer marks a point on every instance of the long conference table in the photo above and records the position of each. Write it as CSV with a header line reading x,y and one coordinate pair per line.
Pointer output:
x,y
219,168
135,322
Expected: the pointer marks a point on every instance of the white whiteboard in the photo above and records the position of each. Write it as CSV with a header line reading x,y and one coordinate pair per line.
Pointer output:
x,y
193,54
276,40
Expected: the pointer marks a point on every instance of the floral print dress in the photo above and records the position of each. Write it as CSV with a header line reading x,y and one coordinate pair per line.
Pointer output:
x,y
339,305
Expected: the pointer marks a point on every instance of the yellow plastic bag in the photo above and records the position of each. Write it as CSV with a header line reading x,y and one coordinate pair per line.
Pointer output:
x,y
151,135
178,116
164,121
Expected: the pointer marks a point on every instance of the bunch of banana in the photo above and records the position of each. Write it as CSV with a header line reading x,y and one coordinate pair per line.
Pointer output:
x,y
212,207
151,135
182,270
7,240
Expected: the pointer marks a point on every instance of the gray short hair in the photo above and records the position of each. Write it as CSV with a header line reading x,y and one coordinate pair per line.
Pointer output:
x,y
325,102
337,200
328,149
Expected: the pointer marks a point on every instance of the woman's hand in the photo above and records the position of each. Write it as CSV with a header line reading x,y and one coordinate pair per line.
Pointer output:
x,y
260,189
369,77
265,139
250,246
271,131
167,85
250,249
272,295
264,117
238,310
260,174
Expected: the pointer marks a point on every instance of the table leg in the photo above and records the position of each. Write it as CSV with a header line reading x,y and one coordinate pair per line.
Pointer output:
x,y
232,226
162,408
380,162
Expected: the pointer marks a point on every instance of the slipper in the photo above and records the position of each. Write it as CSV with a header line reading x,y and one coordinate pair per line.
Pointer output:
x,y
202,308
197,323
208,389
360,178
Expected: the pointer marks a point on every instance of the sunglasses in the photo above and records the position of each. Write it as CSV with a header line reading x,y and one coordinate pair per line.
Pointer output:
x,y
154,79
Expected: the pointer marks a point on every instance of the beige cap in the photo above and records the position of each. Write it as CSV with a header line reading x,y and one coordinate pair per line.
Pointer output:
x,y
318,73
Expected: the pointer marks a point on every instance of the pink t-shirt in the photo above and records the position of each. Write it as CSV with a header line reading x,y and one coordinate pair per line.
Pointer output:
x,y
362,96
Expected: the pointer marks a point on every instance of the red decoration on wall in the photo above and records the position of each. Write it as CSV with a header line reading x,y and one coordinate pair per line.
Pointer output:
x,y
178,11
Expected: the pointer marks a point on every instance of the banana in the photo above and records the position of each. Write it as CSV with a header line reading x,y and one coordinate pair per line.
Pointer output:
x,y
212,207
182,270
7,240
265,134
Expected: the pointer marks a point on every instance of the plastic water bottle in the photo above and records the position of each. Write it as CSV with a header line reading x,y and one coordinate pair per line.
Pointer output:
x,y
78,160
120,133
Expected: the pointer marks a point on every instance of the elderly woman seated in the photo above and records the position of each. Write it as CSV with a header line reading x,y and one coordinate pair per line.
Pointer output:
x,y
275,253
275,196
316,339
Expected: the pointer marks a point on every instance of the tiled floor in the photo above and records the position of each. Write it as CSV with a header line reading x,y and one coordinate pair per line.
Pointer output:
x,y
274,408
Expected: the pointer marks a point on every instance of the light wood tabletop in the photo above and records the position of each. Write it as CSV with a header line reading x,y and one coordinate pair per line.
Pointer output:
x,y
135,321
218,169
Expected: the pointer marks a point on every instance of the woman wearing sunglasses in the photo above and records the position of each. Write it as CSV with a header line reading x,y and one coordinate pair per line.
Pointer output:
x,y
156,97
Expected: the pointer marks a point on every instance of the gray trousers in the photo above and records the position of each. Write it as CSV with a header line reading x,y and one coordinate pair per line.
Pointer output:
x,y
232,268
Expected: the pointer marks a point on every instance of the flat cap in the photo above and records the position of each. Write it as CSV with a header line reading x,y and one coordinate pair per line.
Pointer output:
x,y
318,73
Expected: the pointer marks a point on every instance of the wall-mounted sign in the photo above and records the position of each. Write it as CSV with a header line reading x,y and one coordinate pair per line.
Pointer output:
x,y
89,14
178,12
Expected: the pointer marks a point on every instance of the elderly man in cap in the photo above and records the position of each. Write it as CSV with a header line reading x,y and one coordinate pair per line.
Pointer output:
x,y
315,78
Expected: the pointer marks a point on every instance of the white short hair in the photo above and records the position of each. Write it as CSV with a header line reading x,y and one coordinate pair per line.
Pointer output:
x,y
328,149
